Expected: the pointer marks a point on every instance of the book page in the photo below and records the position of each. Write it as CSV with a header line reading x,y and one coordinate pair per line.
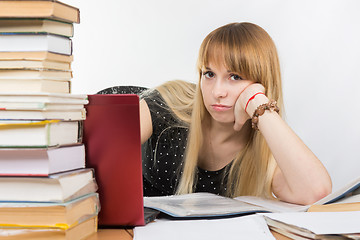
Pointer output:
x,y
346,191
273,205
247,227
320,223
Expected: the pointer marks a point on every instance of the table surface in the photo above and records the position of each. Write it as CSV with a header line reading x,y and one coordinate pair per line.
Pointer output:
x,y
127,234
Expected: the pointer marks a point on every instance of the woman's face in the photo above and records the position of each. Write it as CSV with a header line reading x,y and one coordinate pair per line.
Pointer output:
x,y
220,90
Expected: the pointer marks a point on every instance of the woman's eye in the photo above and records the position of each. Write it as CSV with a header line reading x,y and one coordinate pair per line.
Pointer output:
x,y
235,77
209,74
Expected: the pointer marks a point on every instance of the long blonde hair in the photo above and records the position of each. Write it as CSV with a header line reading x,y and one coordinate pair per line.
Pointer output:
x,y
247,49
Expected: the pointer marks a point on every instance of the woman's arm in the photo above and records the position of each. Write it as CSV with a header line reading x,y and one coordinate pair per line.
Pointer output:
x,y
300,177
145,121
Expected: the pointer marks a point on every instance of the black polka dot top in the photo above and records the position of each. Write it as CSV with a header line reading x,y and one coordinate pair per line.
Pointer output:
x,y
163,154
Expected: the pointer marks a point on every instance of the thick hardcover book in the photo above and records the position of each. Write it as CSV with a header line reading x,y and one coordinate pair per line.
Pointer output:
x,y
46,133
63,114
79,232
60,187
113,149
41,161
39,9
35,74
36,56
40,214
34,64
19,25
35,85
35,42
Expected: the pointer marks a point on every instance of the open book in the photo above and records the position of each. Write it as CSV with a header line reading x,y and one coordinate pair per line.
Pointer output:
x,y
315,225
206,205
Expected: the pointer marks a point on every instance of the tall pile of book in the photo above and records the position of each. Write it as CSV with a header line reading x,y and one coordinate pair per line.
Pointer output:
x,y
45,190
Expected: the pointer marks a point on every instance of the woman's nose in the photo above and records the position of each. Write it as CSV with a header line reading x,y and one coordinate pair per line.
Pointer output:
x,y
219,89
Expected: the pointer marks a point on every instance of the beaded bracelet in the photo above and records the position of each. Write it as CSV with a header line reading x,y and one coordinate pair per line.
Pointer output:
x,y
260,111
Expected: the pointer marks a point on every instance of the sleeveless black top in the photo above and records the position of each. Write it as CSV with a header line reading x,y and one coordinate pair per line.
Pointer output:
x,y
163,154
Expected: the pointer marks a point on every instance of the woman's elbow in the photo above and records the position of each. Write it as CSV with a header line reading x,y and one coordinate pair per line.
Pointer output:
x,y
319,191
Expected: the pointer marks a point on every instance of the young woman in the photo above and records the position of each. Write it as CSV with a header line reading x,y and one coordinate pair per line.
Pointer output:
x,y
225,135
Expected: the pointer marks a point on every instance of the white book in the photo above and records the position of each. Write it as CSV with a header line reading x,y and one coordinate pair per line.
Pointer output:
x,y
60,187
40,161
43,97
35,43
69,115
39,106
42,101
45,133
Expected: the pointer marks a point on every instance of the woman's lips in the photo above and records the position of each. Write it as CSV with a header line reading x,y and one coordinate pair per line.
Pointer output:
x,y
220,107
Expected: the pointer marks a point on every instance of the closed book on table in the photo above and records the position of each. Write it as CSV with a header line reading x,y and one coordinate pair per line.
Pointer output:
x,y
40,161
35,43
27,25
34,85
34,64
35,74
59,187
113,149
21,97
45,133
40,214
39,106
41,55
78,232
39,9
70,114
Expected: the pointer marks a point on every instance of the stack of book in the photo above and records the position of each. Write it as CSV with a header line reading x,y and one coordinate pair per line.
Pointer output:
x,y
46,191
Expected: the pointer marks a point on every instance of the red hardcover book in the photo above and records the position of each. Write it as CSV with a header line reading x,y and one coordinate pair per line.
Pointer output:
x,y
113,149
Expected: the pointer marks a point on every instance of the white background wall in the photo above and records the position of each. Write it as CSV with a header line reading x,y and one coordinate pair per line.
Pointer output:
x,y
142,42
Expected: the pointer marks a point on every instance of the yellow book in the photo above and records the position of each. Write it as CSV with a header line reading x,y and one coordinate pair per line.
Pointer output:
x,y
44,214
78,232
